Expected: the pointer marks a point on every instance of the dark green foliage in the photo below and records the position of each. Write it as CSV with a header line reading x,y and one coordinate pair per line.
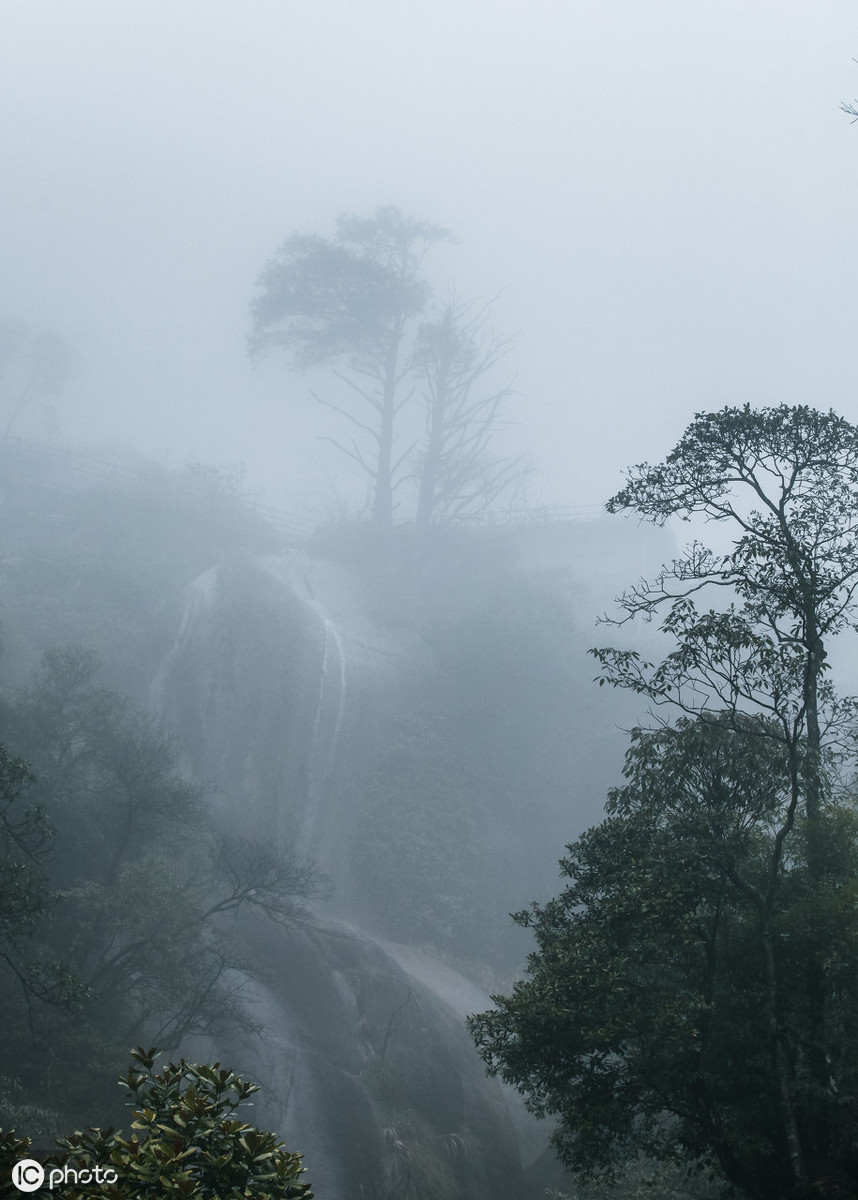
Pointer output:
x,y
186,1141
693,990
35,982
24,842
143,885
647,1180
12,1149
645,1020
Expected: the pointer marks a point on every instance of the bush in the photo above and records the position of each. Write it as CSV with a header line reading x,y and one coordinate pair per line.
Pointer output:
x,y
186,1141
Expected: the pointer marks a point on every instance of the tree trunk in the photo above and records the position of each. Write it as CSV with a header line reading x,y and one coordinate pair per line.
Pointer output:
x,y
428,495
382,502
763,902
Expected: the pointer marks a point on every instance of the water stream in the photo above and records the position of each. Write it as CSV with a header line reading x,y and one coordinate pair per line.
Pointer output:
x,y
327,725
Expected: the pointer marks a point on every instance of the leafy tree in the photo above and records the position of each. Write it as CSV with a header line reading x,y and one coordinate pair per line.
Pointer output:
x,y
645,1180
751,675
351,304
25,893
651,1020
24,841
144,883
34,981
187,1140
786,479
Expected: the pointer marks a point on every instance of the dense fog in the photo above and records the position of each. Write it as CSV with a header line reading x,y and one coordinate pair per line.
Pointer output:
x,y
657,198
326,333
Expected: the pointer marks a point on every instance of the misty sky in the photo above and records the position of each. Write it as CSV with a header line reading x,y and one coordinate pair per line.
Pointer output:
x,y
661,192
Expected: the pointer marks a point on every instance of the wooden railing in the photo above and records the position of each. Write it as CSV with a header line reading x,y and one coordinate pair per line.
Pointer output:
x,y
66,468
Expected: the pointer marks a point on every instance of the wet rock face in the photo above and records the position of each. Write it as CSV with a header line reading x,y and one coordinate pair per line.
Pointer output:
x,y
423,758
433,759
238,685
368,1071
279,690
366,1068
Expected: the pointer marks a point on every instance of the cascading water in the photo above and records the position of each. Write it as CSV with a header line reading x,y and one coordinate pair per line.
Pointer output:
x,y
200,596
327,725
285,689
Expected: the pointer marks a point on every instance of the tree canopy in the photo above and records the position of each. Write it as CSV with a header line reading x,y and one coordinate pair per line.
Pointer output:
x,y
692,989
786,481
114,886
359,305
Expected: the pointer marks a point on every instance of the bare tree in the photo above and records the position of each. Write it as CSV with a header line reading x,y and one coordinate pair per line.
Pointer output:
x,y
454,357
357,304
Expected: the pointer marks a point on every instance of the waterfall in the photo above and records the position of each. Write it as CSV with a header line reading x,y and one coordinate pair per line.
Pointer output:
x,y
327,724
199,597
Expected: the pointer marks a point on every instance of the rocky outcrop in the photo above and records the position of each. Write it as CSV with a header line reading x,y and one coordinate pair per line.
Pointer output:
x,y
367,1067
416,729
